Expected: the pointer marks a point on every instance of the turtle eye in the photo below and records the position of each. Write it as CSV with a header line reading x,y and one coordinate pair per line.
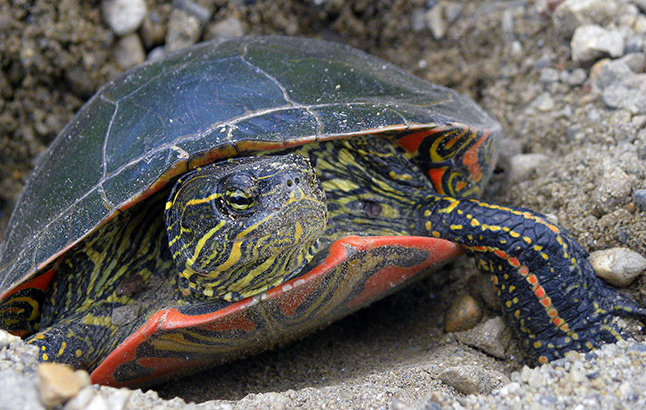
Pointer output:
x,y
238,200
239,194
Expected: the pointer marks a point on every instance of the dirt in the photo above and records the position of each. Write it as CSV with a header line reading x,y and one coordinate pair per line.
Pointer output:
x,y
55,55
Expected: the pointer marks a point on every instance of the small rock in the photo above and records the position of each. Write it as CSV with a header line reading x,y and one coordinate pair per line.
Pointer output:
x,y
508,389
609,72
639,196
516,51
452,11
418,20
619,96
635,61
118,399
157,53
6,338
229,27
618,266
467,379
81,400
571,14
183,30
521,166
58,383
153,30
590,43
436,22
18,391
532,377
98,403
613,189
129,51
124,16
543,102
464,314
635,44
194,9
549,75
576,77
123,315
491,336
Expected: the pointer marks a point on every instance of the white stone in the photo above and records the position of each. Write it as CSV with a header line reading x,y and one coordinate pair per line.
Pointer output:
x,y
124,16
574,13
618,266
129,51
590,43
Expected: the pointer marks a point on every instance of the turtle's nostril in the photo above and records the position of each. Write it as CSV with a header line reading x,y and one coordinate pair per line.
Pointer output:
x,y
290,183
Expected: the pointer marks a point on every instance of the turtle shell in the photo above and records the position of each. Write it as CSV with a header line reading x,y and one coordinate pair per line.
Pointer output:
x,y
209,102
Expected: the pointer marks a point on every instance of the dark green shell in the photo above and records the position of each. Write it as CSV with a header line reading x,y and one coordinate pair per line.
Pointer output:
x,y
216,100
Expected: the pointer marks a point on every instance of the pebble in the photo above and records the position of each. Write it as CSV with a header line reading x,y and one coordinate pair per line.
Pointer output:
x,y
452,11
129,51
631,99
591,42
639,196
123,315
549,75
576,77
467,379
492,336
571,14
18,391
6,339
229,27
153,30
58,383
435,21
465,313
617,266
635,44
544,102
613,190
184,30
124,16
522,166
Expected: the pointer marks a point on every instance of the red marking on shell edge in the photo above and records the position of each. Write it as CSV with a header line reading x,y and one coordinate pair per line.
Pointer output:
x,y
337,253
436,175
470,158
411,142
386,279
171,318
39,282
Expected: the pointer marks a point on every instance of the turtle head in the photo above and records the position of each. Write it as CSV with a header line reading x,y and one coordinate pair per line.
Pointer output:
x,y
240,227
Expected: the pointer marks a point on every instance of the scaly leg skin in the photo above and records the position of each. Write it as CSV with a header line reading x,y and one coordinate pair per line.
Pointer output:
x,y
547,287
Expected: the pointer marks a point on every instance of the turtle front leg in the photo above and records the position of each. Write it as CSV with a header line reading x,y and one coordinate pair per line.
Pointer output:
x,y
547,287
70,342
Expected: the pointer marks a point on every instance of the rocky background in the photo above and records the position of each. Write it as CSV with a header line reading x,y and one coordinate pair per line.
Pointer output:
x,y
566,79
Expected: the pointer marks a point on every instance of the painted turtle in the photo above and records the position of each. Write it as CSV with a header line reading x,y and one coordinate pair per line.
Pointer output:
x,y
240,193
